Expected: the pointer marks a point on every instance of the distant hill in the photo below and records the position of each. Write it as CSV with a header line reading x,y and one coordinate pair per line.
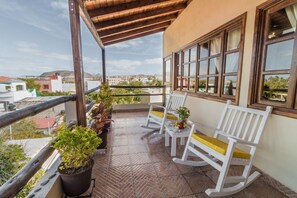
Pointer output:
x,y
65,73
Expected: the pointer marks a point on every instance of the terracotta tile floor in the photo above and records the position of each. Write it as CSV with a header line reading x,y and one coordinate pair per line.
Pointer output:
x,y
139,165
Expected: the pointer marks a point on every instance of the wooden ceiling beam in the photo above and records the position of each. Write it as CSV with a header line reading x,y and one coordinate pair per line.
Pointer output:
x,y
134,37
138,25
124,6
135,32
141,17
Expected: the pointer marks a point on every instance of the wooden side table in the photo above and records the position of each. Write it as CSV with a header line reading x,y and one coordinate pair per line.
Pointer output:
x,y
174,133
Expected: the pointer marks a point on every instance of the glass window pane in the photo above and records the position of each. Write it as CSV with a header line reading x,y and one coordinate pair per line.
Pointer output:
x,y
213,84
167,71
186,70
215,46
186,56
178,83
233,40
230,85
179,71
279,55
193,53
185,83
193,69
203,67
202,85
283,22
276,87
192,84
214,65
179,58
204,50
231,62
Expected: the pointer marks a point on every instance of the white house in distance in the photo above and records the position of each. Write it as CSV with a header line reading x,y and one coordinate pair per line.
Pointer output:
x,y
13,90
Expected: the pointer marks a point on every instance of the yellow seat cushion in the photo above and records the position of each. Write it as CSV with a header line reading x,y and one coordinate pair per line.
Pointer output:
x,y
161,115
220,146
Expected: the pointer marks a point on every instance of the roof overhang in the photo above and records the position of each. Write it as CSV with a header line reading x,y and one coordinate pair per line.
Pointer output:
x,y
114,21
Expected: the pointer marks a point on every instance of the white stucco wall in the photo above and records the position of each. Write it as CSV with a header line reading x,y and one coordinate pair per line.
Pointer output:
x,y
276,154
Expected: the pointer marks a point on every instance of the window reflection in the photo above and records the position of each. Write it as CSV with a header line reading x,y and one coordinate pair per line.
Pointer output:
x,y
283,22
204,50
215,46
213,85
275,87
192,84
186,56
214,66
230,85
193,53
203,67
232,62
279,55
233,40
202,85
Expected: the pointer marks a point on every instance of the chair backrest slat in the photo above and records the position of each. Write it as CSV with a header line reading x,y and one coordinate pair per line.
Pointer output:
x,y
248,126
227,119
243,123
236,123
175,101
231,122
254,128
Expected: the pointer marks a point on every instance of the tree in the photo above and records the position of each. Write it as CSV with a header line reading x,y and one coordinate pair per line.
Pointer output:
x,y
12,159
30,82
22,130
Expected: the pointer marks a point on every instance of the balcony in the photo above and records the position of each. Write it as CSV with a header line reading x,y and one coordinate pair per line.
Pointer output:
x,y
137,164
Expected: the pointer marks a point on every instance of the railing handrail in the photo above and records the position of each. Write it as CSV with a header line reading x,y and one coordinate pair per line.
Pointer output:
x,y
11,187
137,87
17,115
156,94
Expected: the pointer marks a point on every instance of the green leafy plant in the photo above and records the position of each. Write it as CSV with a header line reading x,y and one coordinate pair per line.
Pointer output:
x,y
99,114
104,95
76,147
183,113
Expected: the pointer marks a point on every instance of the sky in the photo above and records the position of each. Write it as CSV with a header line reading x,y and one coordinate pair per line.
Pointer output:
x,y
35,38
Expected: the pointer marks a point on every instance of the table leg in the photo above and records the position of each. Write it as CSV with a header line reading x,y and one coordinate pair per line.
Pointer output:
x,y
182,141
166,138
173,146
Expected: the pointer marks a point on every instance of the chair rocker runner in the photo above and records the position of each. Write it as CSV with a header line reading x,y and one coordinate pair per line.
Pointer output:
x,y
158,118
240,126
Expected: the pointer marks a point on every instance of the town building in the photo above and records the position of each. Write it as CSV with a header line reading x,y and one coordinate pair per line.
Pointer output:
x,y
51,83
13,90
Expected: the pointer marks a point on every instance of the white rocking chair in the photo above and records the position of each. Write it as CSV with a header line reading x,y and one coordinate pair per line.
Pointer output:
x,y
240,126
157,117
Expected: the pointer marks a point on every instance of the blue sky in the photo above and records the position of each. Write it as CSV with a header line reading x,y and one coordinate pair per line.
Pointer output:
x,y
35,38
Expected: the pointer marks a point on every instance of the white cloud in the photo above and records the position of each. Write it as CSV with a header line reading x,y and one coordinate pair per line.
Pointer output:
x,y
62,6
127,44
23,14
33,49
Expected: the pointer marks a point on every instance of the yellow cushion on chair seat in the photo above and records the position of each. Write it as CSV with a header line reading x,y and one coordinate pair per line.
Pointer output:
x,y
161,115
220,146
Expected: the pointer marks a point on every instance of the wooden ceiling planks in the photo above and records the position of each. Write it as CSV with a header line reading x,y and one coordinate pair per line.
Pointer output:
x,y
119,20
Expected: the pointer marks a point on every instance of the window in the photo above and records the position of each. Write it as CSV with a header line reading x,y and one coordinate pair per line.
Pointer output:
x,y
275,63
19,88
8,88
45,87
210,67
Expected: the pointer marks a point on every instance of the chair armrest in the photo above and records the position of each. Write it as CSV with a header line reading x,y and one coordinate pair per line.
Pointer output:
x,y
159,106
237,140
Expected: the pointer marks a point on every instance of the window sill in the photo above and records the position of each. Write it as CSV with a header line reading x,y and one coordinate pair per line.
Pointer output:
x,y
208,97
291,113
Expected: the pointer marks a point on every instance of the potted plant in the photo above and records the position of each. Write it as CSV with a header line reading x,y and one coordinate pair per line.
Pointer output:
x,y
99,122
183,115
76,147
